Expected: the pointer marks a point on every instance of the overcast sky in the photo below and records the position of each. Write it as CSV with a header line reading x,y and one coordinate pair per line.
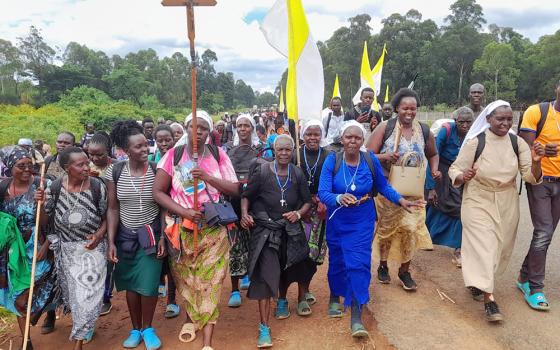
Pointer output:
x,y
231,28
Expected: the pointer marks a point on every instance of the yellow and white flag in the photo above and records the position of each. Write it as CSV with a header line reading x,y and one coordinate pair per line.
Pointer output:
x,y
365,75
336,89
377,71
387,94
286,29
281,106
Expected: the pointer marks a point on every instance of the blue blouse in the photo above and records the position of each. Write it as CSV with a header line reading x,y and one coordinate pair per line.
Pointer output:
x,y
448,148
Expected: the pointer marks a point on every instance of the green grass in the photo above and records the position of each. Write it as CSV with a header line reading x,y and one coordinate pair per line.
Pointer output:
x,y
7,320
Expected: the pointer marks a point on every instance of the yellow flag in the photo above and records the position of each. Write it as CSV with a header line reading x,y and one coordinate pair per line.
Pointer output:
x,y
336,89
387,94
281,106
365,75
377,71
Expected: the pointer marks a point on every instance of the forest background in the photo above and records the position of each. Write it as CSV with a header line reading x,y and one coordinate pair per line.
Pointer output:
x,y
44,89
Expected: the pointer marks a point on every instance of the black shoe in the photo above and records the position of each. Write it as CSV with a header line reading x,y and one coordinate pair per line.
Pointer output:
x,y
48,323
407,282
477,294
383,274
493,312
106,309
28,347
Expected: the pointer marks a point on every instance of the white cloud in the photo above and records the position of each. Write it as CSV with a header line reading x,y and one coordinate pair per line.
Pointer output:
x,y
118,26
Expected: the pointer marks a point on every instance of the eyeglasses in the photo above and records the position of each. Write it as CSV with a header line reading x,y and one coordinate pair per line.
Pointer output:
x,y
24,166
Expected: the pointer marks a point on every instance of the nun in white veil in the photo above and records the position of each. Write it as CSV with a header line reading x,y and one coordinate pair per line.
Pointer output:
x,y
490,208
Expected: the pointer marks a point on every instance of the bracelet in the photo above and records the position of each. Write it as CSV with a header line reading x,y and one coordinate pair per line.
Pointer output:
x,y
338,198
298,215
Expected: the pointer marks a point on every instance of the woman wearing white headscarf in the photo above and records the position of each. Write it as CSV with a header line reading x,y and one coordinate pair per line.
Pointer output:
x,y
487,166
198,272
348,194
243,151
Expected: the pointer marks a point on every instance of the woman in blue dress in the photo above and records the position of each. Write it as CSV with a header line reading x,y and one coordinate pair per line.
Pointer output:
x,y
443,215
348,194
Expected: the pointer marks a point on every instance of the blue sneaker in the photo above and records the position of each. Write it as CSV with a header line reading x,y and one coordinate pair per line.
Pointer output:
x,y
151,340
265,340
134,339
282,309
89,336
235,299
245,282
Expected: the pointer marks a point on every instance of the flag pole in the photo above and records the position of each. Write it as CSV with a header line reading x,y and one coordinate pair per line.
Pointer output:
x,y
33,262
190,4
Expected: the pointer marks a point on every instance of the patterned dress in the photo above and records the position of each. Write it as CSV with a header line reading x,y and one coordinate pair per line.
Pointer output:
x,y
199,276
80,272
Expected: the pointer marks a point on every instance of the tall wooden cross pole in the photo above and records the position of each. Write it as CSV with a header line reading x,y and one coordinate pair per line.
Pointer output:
x,y
190,4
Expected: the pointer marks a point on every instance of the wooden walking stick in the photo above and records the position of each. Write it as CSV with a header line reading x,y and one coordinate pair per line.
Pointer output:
x,y
190,4
34,262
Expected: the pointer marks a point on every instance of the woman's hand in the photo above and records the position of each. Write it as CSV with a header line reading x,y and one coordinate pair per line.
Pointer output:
x,y
432,197
292,216
161,251
551,150
94,240
391,157
247,221
409,206
39,195
347,199
537,152
192,215
198,173
112,253
436,175
469,174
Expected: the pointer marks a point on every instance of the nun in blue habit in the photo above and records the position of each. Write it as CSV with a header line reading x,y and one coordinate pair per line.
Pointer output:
x,y
347,187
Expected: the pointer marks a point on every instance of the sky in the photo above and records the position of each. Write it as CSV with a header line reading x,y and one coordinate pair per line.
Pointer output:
x,y
231,28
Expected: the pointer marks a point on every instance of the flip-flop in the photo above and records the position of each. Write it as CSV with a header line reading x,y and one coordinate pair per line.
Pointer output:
x,y
358,331
172,311
187,329
536,301
310,298
523,287
334,310
303,308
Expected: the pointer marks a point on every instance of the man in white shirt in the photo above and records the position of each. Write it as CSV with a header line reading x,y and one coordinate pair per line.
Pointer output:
x,y
332,119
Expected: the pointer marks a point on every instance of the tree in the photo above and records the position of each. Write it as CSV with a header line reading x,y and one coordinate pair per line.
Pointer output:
x,y
127,83
243,94
9,63
225,86
466,13
265,99
497,68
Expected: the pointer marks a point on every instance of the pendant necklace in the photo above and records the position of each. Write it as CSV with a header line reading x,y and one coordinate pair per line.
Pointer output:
x,y
74,217
134,186
283,187
311,171
353,179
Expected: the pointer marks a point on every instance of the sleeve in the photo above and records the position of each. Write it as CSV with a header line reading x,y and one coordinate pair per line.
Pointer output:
x,y
109,173
254,183
382,184
531,118
526,163
303,188
326,183
441,139
226,167
166,162
464,160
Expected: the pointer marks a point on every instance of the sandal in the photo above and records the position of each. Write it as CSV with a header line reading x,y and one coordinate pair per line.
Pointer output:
x,y
310,298
207,348
334,310
187,329
358,331
523,287
303,308
89,336
172,311
537,301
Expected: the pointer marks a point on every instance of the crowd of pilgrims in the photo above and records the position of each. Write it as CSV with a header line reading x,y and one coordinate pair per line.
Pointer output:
x,y
119,212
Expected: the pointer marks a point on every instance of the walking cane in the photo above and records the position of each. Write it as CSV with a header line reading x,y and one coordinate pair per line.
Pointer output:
x,y
34,262
191,34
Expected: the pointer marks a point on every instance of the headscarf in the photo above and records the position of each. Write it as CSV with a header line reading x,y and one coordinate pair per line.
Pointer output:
x,y
284,137
350,123
17,153
254,137
480,125
311,123
199,114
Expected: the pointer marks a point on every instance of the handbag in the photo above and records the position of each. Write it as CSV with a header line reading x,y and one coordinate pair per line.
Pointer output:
x,y
408,181
219,213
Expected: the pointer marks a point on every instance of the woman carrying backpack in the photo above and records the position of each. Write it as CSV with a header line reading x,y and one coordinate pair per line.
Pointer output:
x,y
349,181
487,166
76,207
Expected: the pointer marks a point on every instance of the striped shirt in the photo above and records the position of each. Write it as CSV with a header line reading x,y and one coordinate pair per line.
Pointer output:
x,y
135,196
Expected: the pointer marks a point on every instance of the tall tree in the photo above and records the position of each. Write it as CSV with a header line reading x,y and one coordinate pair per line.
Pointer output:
x,y
10,63
497,68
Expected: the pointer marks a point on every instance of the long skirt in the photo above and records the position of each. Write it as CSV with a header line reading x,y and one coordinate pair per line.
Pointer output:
x,y
15,301
400,233
199,278
444,229
239,252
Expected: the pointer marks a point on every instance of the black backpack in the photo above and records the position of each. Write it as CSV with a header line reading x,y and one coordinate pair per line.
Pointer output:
x,y
178,153
482,143
392,123
119,167
369,161
95,188
543,106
